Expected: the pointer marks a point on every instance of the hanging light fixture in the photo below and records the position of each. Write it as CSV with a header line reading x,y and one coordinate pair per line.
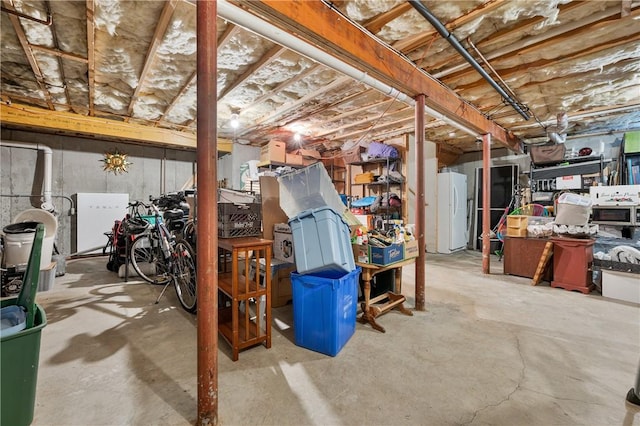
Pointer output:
x,y
234,121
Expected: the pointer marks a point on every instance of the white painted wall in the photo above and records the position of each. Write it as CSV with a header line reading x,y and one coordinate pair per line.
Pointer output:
x,y
430,164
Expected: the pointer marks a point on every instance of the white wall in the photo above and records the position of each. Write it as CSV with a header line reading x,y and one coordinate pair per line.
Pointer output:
x,y
430,164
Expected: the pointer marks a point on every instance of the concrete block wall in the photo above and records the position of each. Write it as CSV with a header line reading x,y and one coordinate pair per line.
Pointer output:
x,y
77,167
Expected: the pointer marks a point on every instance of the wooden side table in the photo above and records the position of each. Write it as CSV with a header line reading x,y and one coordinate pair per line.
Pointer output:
x,y
394,300
244,324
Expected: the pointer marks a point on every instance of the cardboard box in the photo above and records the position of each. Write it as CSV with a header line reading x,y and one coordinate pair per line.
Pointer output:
x,y
308,162
309,154
281,293
283,243
366,220
621,285
352,155
411,249
360,253
273,152
293,159
386,255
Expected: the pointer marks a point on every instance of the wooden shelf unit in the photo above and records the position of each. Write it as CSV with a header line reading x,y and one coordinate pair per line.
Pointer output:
x,y
246,321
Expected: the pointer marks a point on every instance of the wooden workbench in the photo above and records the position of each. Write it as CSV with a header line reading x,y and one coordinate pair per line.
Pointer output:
x,y
394,299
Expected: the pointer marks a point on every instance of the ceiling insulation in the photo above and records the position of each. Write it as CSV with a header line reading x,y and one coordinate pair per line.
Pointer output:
x,y
135,62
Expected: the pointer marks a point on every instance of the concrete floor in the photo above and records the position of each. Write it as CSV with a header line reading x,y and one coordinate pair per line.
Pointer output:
x,y
488,350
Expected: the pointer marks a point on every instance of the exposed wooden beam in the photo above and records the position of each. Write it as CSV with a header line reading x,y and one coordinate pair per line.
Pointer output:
x,y
370,119
283,85
376,23
227,34
284,109
190,81
318,24
59,53
357,111
524,27
416,41
54,36
161,29
91,60
224,38
376,127
28,117
535,40
22,37
273,54
542,63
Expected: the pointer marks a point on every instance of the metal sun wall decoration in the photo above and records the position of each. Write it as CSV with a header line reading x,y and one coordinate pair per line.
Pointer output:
x,y
115,162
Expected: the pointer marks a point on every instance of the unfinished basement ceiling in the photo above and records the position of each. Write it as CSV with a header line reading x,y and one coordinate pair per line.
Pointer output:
x,y
135,62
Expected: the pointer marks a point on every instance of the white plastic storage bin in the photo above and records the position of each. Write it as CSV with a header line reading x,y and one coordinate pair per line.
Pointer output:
x,y
322,242
308,188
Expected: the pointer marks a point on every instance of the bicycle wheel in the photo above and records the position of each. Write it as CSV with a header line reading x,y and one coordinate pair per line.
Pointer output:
x,y
184,274
148,261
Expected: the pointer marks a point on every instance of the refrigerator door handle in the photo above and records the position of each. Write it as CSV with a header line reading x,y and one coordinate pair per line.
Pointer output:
x,y
455,201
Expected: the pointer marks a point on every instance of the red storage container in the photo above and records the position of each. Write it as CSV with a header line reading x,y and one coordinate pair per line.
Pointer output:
x,y
572,259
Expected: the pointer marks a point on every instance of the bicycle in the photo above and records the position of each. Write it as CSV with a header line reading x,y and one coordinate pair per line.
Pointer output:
x,y
158,257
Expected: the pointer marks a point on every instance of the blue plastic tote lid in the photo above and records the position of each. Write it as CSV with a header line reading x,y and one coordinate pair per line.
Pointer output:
x,y
13,319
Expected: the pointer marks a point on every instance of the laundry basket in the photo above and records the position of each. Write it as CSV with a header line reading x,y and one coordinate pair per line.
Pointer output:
x,y
20,346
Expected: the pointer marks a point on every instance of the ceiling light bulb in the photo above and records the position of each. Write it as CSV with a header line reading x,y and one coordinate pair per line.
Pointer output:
x,y
297,137
234,121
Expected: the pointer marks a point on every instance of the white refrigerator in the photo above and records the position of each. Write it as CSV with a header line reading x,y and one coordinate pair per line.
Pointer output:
x,y
452,232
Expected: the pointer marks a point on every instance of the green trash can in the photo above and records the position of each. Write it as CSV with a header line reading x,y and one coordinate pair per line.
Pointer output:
x,y
19,354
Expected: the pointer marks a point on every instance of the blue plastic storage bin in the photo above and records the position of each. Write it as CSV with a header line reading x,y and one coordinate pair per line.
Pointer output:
x,y
324,310
322,243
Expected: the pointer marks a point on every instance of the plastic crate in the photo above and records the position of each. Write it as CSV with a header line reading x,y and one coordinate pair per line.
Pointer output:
x,y
324,310
226,209
322,242
239,220
308,188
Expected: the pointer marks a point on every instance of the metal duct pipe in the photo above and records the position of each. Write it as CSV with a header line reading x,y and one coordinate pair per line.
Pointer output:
x,y
447,35
269,31
558,133
47,204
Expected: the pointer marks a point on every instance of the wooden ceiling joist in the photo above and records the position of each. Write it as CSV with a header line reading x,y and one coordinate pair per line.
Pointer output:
x,y
284,84
542,63
59,53
161,29
273,54
416,41
376,23
28,52
538,41
319,25
283,110
91,59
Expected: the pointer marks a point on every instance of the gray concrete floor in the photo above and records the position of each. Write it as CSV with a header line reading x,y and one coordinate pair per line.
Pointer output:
x,y
488,350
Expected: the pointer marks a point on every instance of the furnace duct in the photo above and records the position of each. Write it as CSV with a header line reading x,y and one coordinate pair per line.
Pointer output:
x,y
558,133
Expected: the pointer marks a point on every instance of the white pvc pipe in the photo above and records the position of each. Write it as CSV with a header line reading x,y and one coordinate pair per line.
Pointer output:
x,y
269,31
47,203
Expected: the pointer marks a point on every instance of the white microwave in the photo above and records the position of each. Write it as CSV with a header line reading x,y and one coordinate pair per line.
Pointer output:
x,y
616,215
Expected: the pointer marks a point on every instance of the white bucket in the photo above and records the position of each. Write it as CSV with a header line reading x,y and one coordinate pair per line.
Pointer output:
x,y
50,229
18,240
